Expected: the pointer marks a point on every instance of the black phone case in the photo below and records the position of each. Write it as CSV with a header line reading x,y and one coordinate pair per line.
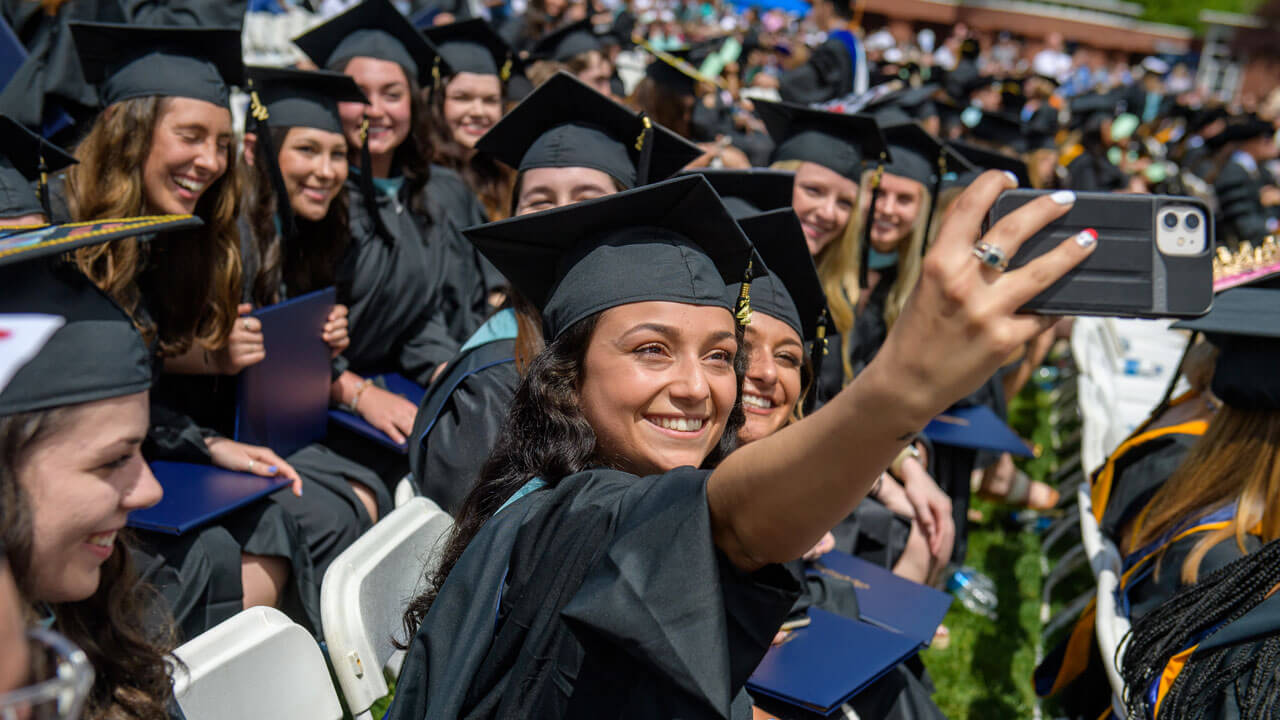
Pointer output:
x,y
1127,275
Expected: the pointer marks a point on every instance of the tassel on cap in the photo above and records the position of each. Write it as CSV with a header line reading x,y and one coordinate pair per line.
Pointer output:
x,y
366,182
505,72
743,311
933,202
644,146
284,211
43,189
817,353
864,257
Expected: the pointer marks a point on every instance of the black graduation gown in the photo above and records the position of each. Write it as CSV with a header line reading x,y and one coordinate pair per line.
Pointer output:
x,y
393,292
1138,474
601,597
708,123
828,74
1240,208
467,277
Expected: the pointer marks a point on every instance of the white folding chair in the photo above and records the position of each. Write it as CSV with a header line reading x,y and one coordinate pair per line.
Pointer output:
x,y
364,594
1110,624
257,664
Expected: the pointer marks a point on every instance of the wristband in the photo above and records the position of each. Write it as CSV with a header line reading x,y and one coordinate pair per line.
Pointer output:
x,y
910,451
360,388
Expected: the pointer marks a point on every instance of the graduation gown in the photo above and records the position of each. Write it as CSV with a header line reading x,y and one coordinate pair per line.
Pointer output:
x,y
1239,203
467,277
1136,470
462,414
393,292
603,596
827,75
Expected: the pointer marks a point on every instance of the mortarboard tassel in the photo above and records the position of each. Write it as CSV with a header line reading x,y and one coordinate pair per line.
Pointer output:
x,y
284,211
743,310
435,74
366,183
816,355
864,257
505,73
933,202
43,189
644,146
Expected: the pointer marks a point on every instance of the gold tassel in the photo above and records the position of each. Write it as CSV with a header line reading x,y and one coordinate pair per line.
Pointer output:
x,y
256,108
743,311
435,73
505,73
822,330
364,131
640,138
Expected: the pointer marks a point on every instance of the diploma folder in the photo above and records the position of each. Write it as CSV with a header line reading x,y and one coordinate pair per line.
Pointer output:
x,y
886,600
283,401
391,382
197,494
977,427
820,666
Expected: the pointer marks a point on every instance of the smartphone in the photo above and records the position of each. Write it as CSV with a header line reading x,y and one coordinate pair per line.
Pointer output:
x,y
1154,257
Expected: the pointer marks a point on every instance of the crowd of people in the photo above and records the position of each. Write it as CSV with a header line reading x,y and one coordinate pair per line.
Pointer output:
x,y
681,287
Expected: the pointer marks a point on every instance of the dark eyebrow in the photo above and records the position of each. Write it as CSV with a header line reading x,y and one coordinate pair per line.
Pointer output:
x,y
659,328
724,335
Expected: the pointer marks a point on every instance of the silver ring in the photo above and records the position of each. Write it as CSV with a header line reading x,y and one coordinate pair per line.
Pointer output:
x,y
246,326
991,255
251,464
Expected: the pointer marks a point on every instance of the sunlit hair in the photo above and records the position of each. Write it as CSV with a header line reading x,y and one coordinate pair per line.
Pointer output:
x,y
909,253
193,277
838,270
489,179
310,263
1237,459
126,639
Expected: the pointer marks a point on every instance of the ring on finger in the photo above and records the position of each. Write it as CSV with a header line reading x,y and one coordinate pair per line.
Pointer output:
x,y
251,464
991,255
247,326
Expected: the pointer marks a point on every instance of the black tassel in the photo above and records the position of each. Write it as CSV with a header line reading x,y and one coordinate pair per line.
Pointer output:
x,y
817,352
43,190
366,184
644,145
864,257
933,203
259,117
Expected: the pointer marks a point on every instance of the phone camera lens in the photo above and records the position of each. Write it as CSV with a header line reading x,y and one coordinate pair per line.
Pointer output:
x,y
1192,221
1170,220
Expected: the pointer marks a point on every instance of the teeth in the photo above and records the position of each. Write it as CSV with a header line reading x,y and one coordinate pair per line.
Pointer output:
x,y
681,424
757,401
186,184
106,539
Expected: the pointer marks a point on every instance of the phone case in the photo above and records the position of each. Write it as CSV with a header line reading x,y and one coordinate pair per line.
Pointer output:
x,y
1127,275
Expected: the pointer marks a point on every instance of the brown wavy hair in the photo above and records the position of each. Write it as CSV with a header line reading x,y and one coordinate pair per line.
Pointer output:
x,y
118,627
489,179
303,266
666,107
193,277
1237,459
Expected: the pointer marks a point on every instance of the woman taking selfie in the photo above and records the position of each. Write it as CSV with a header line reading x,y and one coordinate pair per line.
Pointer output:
x,y
637,388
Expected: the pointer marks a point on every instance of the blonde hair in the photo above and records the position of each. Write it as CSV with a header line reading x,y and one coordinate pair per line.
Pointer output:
x,y
194,275
838,271
910,255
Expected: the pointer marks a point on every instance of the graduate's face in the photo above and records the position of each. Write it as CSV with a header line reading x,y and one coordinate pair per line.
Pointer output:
x,y
897,208
190,149
823,200
546,188
658,384
472,105
771,388
597,73
390,105
82,479
313,164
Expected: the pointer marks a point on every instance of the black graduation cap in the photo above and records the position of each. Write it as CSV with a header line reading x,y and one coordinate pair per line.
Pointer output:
x,y
670,241
566,123
568,42
97,353
920,156
472,46
914,103
790,290
303,98
750,191
1092,107
676,70
983,159
836,141
1246,127
996,128
128,61
26,159
1244,323
375,29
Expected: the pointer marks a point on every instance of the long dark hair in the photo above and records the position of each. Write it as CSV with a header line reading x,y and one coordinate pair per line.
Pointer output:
x,y
117,627
487,178
310,263
412,158
1217,600
545,435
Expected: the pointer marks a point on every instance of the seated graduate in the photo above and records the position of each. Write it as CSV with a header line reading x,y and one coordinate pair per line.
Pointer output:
x,y
163,144
827,152
72,423
1209,651
669,92
577,50
652,583
566,143
1247,193
416,303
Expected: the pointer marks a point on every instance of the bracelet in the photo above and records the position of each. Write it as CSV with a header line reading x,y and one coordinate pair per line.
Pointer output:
x,y
875,486
910,451
360,388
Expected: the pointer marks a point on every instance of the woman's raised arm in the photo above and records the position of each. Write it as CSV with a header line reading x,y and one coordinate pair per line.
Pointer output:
x,y
773,499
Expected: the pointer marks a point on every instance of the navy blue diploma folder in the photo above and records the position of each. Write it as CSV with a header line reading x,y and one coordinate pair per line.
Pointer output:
x,y
977,427
886,600
395,383
196,494
833,658
283,401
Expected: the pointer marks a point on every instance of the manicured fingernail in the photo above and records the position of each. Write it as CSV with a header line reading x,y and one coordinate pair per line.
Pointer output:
x,y
1063,197
1013,179
1087,237
273,469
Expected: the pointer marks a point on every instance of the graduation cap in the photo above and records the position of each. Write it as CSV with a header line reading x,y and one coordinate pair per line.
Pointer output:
x,y
676,70
97,353
375,29
835,141
472,46
568,42
999,129
1244,324
983,159
566,123
750,191
922,157
128,61
914,103
1091,108
671,241
1243,128
26,158
283,97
